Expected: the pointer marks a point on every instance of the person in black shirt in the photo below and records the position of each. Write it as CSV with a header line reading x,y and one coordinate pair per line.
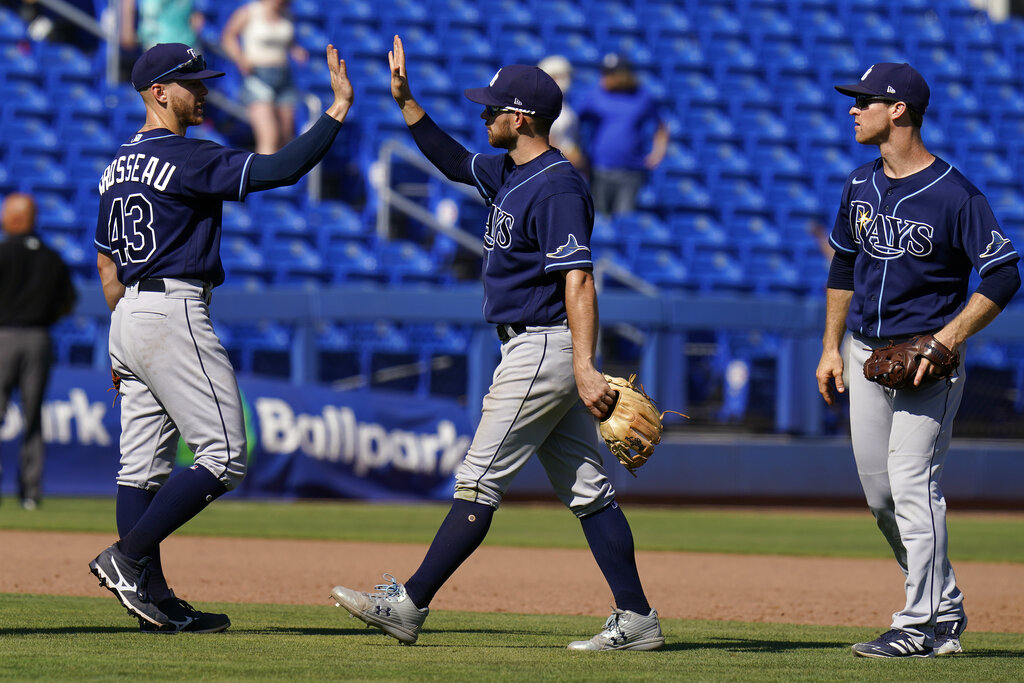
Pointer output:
x,y
35,291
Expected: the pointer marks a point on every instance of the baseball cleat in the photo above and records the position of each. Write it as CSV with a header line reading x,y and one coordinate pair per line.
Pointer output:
x,y
894,643
625,630
947,637
127,579
390,610
184,618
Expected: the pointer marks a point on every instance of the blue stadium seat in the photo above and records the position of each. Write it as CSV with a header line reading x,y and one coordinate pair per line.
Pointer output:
x,y
74,339
664,20
55,213
719,270
754,233
18,64
696,230
12,28
296,262
639,229
352,261
717,21
334,221
405,263
35,171
244,264
262,348
662,267
28,99
683,194
772,273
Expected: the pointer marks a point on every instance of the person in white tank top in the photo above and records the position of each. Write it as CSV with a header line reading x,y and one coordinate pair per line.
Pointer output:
x,y
260,37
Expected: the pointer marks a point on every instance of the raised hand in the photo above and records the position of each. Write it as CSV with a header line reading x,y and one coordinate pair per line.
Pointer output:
x,y
411,110
342,87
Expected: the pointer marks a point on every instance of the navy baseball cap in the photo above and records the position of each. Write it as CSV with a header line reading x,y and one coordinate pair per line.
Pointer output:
x,y
521,88
897,82
170,62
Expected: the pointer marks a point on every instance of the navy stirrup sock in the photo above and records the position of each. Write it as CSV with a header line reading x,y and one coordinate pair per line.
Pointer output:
x,y
183,497
460,534
611,542
132,503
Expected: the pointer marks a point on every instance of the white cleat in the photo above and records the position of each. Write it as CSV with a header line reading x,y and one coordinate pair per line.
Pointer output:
x,y
625,630
390,610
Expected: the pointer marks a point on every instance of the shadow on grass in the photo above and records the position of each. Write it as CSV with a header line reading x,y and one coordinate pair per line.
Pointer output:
x,y
29,631
754,645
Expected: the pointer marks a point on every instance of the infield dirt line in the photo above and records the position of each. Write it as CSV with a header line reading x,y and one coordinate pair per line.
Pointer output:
x,y
758,588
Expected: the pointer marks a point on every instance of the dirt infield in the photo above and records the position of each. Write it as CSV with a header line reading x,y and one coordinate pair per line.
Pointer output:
x,y
823,591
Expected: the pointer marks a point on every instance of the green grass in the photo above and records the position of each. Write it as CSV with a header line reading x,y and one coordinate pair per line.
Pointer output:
x,y
60,638
824,534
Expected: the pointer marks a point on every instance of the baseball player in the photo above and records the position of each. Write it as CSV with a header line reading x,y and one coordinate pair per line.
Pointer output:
x,y
546,393
158,238
909,229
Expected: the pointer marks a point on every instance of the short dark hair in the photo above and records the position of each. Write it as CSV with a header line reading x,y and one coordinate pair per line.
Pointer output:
x,y
916,117
542,126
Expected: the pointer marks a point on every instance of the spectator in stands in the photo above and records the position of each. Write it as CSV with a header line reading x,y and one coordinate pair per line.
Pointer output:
x,y
35,291
623,135
259,38
144,23
565,131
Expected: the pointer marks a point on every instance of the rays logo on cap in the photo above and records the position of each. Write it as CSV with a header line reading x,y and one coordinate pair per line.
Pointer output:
x,y
497,73
867,72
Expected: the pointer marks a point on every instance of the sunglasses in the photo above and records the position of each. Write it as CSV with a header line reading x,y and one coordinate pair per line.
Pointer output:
x,y
192,66
865,101
494,111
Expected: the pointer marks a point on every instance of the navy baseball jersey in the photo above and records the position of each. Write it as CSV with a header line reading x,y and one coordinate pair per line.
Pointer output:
x,y
915,240
161,205
540,221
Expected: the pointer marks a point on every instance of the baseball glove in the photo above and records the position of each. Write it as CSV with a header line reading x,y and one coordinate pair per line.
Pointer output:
x,y
634,424
894,366
115,379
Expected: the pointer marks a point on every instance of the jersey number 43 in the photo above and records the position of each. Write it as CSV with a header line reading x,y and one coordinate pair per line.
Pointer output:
x,y
130,228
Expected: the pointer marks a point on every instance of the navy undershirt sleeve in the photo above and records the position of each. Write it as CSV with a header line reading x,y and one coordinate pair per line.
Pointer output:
x,y
840,273
1000,283
295,159
442,150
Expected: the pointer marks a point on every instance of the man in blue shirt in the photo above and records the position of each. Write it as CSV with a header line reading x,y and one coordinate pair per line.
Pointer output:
x,y
624,136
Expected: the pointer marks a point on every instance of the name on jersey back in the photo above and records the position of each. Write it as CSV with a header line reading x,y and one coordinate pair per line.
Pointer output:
x,y
137,168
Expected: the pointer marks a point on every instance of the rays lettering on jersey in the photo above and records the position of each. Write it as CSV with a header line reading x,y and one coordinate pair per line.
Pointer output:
x,y
137,168
888,237
499,229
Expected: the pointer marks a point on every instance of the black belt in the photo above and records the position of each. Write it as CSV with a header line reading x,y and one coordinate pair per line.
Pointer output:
x,y
152,285
508,330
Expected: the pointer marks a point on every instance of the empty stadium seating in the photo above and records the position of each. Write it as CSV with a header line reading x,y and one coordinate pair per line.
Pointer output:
x,y
761,143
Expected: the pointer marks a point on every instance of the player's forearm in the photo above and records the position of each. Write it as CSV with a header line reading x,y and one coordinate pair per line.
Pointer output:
x,y
295,159
113,290
979,312
582,314
837,305
442,150
412,112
